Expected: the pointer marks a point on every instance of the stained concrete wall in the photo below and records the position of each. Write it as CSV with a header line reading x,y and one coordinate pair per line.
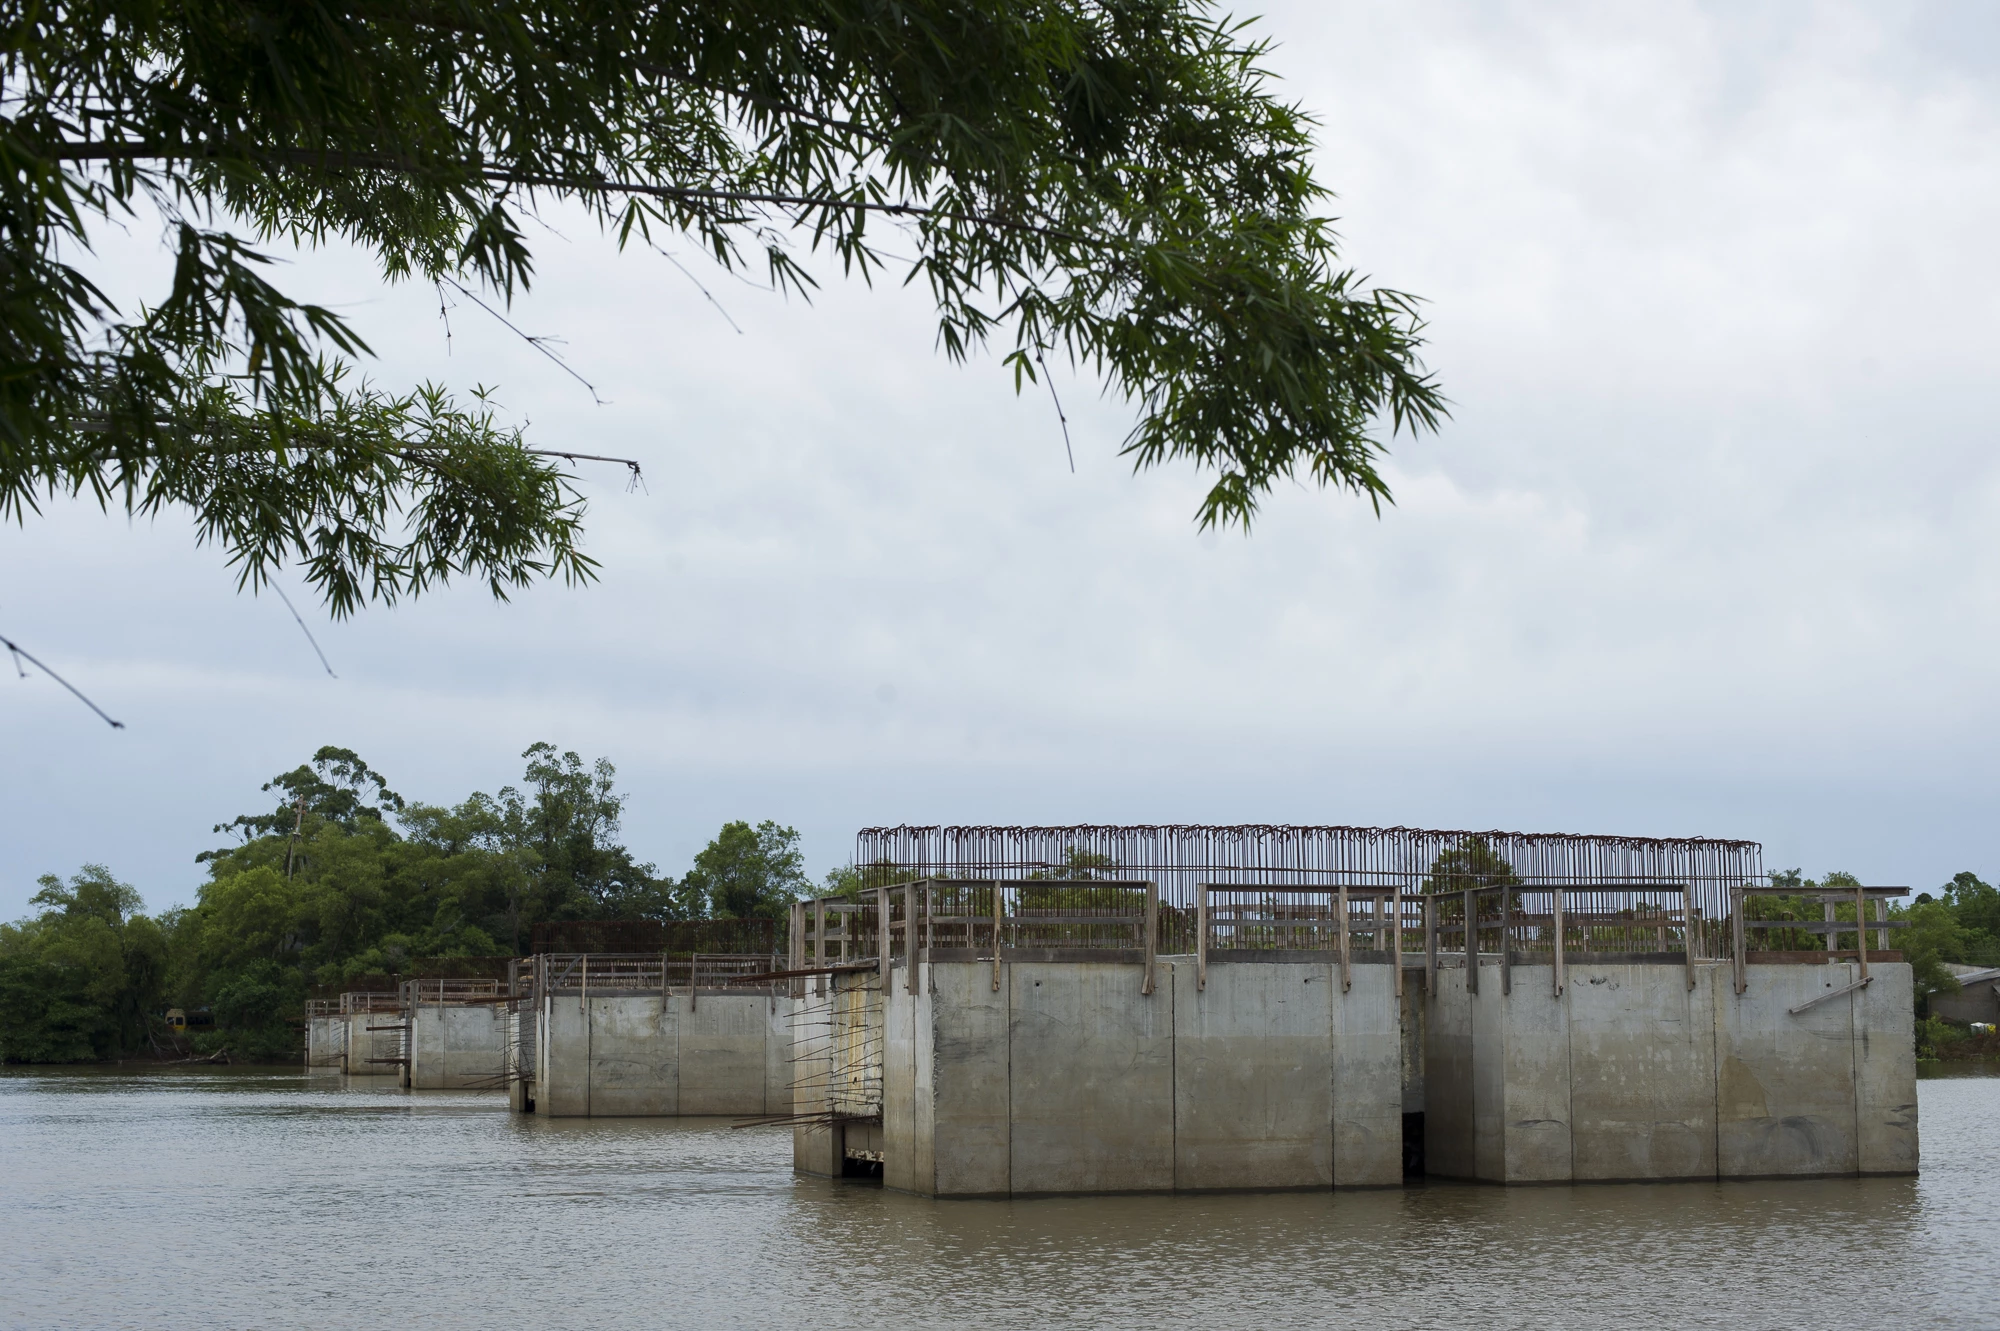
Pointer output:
x,y
364,1049
1069,1079
458,1046
326,1048
1977,1000
641,1055
1629,1074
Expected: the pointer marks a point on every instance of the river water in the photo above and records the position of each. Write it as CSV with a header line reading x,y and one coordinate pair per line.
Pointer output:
x,y
226,1199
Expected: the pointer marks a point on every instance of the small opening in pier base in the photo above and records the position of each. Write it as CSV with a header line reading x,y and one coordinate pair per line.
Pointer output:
x,y
1413,1145
855,1167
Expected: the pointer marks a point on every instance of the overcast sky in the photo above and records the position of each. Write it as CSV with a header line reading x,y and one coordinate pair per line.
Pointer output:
x,y
1708,546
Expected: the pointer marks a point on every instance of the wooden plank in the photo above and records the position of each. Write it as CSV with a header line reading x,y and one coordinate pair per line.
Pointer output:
x,y
913,933
1822,927
1346,980
1861,930
1736,939
1562,972
1152,934
1831,994
1471,930
1814,894
1396,940
1506,942
1814,956
997,903
1430,944
1689,923
882,941
1201,937
819,941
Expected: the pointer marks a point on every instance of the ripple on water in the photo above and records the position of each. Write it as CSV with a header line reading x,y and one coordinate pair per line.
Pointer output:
x,y
233,1198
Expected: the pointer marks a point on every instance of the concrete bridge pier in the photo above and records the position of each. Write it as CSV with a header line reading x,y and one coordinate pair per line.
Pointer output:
x,y
1631,1074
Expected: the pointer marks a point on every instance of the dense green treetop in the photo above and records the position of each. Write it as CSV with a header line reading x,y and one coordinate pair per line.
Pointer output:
x,y
749,873
344,879
1109,181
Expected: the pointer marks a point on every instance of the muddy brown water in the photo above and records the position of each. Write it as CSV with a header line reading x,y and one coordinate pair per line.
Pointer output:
x,y
232,1198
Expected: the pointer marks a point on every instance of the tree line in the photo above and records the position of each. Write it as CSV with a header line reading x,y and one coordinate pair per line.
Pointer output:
x,y
339,876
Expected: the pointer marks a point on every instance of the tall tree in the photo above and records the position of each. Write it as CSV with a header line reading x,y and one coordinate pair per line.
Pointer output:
x,y
1108,181
80,979
337,787
568,821
749,872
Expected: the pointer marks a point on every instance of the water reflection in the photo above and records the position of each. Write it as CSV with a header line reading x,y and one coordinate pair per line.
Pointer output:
x,y
230,1199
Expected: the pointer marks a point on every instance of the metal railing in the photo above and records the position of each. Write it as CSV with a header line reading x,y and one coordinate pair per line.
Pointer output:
x,y
989,919
434,992
595,972
1515,922
362,1001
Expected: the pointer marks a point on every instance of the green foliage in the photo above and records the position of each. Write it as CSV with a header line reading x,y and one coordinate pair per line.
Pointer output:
x,y
749,872
565,825
1938,1038
1079,866
80,979
1472,863
1961,925
1109,181
334,788
345,879
850,881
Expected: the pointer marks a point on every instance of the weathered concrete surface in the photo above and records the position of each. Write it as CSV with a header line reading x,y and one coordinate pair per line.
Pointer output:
x,y
1091,1079
971,1105
1070,1079
623,1055
1367,1080
1641,1071
1886,1071
457,1046
816,1147
1253,1077
1415,1016
1785,1088
1977,999
907,1070
326,1045
1632,1075
1450,1131
518,1024
372,1053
